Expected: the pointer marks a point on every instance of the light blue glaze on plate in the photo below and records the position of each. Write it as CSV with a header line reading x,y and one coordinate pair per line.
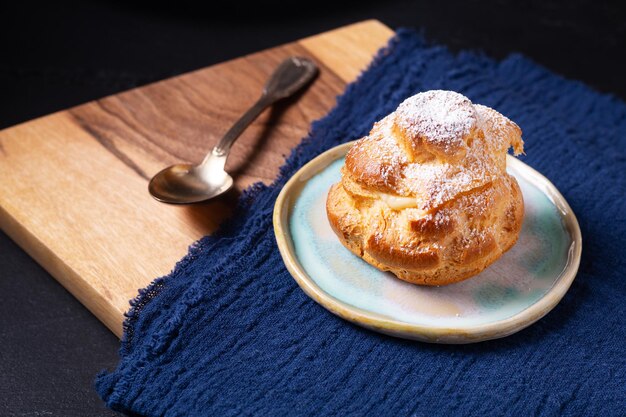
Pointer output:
x,y
520,278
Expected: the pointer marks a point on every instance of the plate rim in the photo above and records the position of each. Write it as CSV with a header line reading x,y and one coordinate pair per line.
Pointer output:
x,y
433,334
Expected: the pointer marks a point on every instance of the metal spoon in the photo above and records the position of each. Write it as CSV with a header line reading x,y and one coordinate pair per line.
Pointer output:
x,y
184,184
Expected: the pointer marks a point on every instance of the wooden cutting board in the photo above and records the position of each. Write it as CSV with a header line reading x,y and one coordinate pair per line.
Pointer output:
x,y
73,188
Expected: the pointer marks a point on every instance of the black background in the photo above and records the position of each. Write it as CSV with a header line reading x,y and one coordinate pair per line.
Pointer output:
x,y
62,54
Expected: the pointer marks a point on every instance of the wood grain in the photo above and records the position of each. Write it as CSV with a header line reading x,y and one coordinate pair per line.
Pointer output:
x,y
74,184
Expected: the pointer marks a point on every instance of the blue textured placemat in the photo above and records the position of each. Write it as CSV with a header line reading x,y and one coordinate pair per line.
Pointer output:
x,y
230,333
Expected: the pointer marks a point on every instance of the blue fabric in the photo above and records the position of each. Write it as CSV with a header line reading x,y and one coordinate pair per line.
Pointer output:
x,y
229,332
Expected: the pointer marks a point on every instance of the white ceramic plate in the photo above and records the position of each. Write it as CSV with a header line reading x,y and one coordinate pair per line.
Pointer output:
x,y
514,292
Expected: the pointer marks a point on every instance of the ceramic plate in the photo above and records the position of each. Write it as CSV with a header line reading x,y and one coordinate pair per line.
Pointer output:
x,y
514,292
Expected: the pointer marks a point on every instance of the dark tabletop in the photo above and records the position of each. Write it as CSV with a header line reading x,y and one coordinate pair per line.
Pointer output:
x,y
64,54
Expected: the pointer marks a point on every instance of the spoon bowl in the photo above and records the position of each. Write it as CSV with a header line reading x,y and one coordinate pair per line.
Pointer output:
x,y
187,184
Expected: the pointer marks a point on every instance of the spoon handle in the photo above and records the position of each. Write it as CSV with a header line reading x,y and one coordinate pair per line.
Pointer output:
x,y
223,147
290,76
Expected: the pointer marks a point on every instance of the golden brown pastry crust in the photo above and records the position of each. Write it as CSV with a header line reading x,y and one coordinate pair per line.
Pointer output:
x,y
426,195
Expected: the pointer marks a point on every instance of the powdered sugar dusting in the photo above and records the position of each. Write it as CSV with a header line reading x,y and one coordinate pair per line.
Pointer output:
x,y
379,156
438,120
459,147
